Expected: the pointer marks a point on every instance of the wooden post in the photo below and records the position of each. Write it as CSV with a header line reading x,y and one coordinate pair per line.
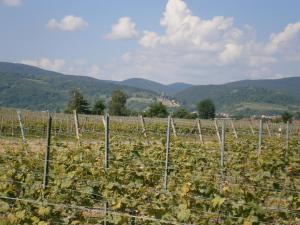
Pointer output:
x,y
234,130
21,126
104,122
287,138
251,127
1,126
67,126
217,131
268,129
260,136
106,162
94,123
106,159
165,185
12,126
60,126
200,131
84,124
76,124
173,127
222,150
143,125
47,154
54,119
71,128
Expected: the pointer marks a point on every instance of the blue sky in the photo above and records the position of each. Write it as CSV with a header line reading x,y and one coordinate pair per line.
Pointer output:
x,y
192,41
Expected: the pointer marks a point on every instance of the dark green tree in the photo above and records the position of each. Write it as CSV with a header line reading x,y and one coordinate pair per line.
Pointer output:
x,y
286,116
117,104
206,109
99,107
181,113
192,116
77,102
297,116
157,109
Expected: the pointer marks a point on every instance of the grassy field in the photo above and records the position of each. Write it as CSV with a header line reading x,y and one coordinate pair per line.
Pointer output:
x,y
249,188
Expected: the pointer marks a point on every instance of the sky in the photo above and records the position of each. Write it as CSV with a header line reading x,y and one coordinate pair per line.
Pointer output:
x,y
193,41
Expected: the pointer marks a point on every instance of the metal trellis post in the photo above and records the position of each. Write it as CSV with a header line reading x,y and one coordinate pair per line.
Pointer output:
x,y
260,136
21,126
47,153
165,186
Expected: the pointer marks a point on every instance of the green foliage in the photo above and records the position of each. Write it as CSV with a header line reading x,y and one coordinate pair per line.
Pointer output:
x,y
157,109
297,116
286,116
206,109
254,190
260,97
159,88
28,87
184,114
77,102
99,107
181,113
117,104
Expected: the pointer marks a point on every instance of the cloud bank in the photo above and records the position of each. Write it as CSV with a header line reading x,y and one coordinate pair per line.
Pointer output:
x,y
123,29
211,50
68,23
12,3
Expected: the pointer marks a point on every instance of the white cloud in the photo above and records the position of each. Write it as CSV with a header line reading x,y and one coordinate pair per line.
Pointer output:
x,y
124,29
212,50
185,30
230,53
127,56
95,71
285,38
12,3
150,39
72,67
45,63
68,23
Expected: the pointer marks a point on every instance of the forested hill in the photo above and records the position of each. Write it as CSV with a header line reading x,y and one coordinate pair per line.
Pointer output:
x,y
170,89
23,86
248,96
29,87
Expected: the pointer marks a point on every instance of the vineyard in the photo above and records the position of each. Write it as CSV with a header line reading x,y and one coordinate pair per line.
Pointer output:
x,y
79,169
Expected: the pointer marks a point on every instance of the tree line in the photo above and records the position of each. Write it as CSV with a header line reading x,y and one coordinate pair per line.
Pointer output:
x,y
117,107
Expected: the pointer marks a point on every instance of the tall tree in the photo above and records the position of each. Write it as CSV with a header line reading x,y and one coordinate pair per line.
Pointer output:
x,y
157,109
77,102
286,116
297,116
99,107
117,104
206,109
181,113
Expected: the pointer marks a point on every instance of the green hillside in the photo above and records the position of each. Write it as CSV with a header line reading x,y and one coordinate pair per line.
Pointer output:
x,y
169,90
23,86
243,97
28,87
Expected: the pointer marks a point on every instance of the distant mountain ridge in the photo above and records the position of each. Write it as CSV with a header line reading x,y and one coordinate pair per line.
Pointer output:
x,y
29,87
246,96
159,88
23,86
